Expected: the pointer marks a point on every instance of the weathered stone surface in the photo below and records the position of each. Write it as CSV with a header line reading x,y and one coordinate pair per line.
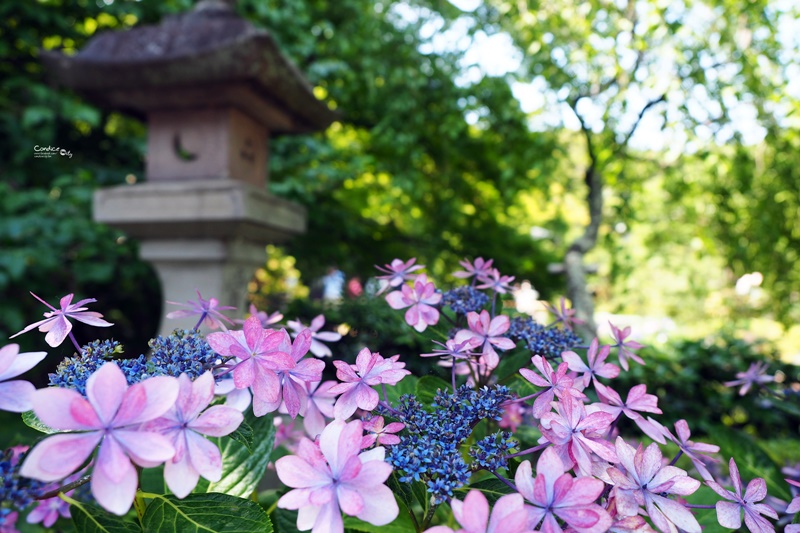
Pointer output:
x,y
161,66
199,209
206,144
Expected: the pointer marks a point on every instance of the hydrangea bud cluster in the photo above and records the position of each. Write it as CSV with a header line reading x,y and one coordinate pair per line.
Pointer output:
x,y
464,299
182,352
549,342
429,449
14,489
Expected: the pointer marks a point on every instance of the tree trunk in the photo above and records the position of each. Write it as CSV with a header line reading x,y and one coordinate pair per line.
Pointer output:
x,y
577,290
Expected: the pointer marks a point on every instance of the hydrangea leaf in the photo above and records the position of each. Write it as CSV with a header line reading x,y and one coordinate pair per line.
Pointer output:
x,y
408,385
244,435
752,460
427,386
32,421
92,519
242,469
205,512
492,488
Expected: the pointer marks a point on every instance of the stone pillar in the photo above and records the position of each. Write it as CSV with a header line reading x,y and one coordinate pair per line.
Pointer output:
x,y
213,90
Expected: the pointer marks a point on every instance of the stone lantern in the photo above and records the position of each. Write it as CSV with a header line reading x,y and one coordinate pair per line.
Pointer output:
x,y
213,90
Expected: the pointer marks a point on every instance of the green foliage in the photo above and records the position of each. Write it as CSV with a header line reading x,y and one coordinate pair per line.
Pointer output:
x,y
91,519
205,513
242,469
688,380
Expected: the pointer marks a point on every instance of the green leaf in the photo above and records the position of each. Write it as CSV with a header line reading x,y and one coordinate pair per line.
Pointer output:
x,y
401,524
706,517
285,521
205,512
492,488
91,519
242,469
244,435
427,387
407,385
401,490
751,459
31,420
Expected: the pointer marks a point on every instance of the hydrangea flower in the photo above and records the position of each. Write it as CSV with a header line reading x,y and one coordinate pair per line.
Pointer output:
x,y
111,415
209,311
266,319
756,375
380,432
15,395
625,346
556,383
332,477
564,315
638,400
356,391
644,480
293,393
487,331
185,424
508,515
478,269
575,435
56,324
317,348
319,406
493,280
693,450
554,495
729,513
420,298
260,360
596,365
397,272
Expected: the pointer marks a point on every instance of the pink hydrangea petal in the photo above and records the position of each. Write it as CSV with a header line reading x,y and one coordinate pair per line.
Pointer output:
x,y
145,448
524,480
346,405
115,494
57,330
92,318
15,396
217,421
219,342
64,409
295,472
396,300
205,456
105,390
339,442
146,400
16,363
350,500
58,456
180,476
380,507
473,514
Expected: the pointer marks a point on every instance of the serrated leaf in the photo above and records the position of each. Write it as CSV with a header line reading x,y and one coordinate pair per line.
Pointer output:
x,y
91,519
285,521
209,513
427,387
32,421
242,469
492,488
751,459
244,435
401,490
